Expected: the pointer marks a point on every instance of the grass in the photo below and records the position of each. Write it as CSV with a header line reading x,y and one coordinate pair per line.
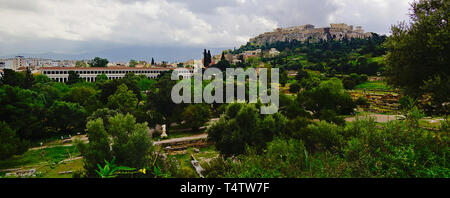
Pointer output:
x,y
207,152
185,161
42,157
426,123
378,60
54,171
171,135
373,85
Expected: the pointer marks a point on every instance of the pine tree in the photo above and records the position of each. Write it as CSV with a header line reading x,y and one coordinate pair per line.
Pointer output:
x,y
153,61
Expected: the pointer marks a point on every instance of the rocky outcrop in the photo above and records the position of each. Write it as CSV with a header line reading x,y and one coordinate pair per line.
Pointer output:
x,y
304,32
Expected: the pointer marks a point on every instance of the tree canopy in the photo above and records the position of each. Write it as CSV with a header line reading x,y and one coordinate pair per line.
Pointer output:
x,y
419,51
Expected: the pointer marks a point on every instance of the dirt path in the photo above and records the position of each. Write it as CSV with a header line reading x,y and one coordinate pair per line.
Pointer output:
x,y
83,138
381,118
181,139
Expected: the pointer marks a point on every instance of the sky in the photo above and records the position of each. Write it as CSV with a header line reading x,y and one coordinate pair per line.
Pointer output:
x,y
172,29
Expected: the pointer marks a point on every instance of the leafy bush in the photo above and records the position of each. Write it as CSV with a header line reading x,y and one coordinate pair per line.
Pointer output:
x,y
323,136
243,126
282,159
360,149
328,95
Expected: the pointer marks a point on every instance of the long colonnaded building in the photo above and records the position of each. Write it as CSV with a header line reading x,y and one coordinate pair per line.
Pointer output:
x,y
61,74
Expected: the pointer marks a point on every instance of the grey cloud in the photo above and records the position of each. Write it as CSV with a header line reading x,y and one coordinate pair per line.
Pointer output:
x,y
76,26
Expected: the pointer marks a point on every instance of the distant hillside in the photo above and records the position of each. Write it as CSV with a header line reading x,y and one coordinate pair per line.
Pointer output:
x,y
124,54
305,32
331,56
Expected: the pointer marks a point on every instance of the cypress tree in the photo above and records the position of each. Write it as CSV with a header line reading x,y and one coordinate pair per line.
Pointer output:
x,y
223,56
29,79
209,57
206,58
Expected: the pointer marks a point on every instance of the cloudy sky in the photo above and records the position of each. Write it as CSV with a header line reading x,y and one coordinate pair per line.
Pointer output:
x,y
89,26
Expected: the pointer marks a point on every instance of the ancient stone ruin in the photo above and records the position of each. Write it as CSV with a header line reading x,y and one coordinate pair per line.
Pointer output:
x,y
302,33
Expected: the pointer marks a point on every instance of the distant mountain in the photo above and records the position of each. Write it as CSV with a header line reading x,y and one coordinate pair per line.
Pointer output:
x,y
124,54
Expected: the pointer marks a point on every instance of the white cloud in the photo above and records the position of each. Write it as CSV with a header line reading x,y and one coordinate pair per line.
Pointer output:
x,y
29,25
373,15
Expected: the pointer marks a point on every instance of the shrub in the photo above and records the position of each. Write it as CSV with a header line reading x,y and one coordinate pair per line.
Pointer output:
x,y
294,87
283,158
328,95
361,101
242,126
323,136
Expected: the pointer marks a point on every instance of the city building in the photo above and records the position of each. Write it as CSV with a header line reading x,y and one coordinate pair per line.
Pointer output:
x,y
61,74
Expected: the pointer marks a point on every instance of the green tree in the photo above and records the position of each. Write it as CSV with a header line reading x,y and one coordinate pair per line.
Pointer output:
x,y
328,95
242,126
123,100
41,78
294,87
12,78
29,79
108,88
222,65
104,114
418,52
85,96
73,78
160,100
81,64
196,115
133,63
437,88
101,78
9,142
66,117
98,148
98,62
22,109
146,84
122,138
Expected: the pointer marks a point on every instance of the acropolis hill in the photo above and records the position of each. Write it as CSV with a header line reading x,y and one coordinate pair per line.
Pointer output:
x,y
302,33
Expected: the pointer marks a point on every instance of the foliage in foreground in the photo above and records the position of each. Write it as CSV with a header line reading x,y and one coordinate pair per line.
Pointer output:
x,y
359,149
